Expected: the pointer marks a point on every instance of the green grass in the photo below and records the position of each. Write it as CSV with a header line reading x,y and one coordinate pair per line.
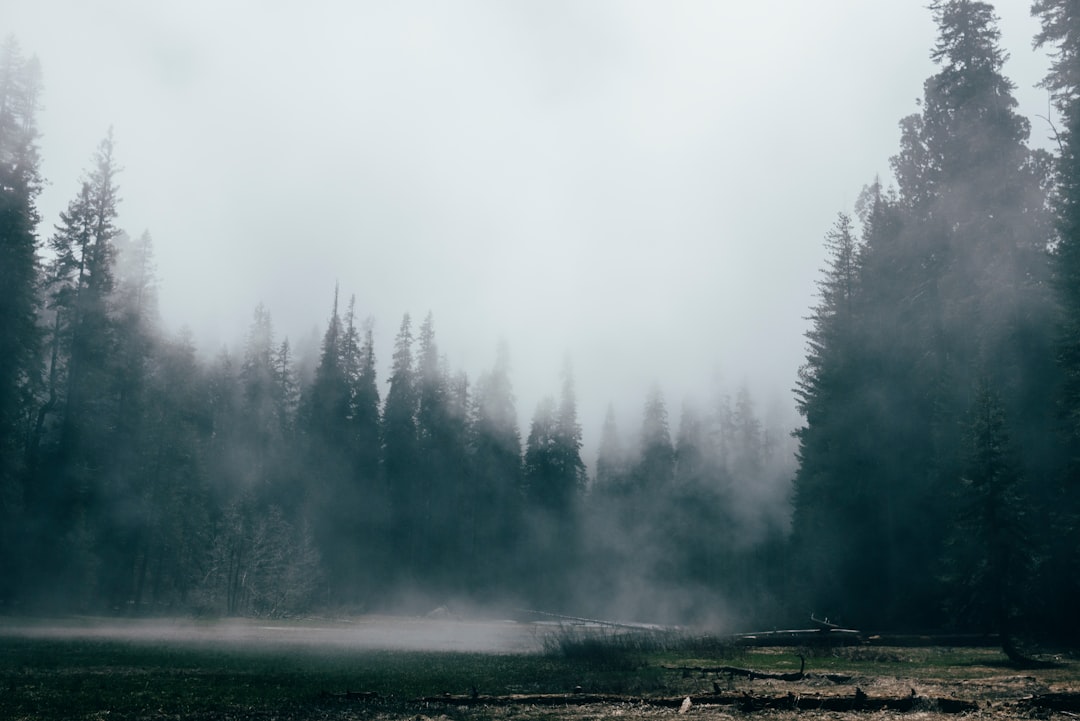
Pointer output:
x,y
627,650
55,679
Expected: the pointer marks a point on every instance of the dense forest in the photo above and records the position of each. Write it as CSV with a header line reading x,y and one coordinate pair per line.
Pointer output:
x,y
936,482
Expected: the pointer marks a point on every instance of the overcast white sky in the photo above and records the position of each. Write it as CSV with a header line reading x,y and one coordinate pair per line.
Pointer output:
x,y
641,185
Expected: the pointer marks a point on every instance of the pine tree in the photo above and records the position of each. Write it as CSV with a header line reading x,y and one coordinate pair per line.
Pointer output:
x,y
366,409
1060,33
493,499
370,519
20,184
656,465
990,554
74,428
326,405
977,280
541,466
81,280
259,394
174,493
336,502
950,282
696,501
602,529
440,449
829,397
458,477
400,451
610,456
129,368
286,389
571,468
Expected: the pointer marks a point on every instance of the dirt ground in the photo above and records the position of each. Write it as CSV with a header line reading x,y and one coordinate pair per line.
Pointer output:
x,y
991,691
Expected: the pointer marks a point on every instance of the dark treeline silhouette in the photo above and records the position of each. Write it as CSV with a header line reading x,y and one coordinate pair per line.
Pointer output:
x,y
138,478
936,484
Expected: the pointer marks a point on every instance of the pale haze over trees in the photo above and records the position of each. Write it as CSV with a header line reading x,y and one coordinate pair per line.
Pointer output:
x,y
570,439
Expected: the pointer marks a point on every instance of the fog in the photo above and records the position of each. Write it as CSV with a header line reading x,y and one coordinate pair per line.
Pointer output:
x,y
555,279
377,633
640,186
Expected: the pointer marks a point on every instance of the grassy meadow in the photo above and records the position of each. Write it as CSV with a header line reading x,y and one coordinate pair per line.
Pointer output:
x,y
53,676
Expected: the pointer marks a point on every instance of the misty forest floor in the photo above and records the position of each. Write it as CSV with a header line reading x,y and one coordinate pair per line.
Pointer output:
x,y
229,675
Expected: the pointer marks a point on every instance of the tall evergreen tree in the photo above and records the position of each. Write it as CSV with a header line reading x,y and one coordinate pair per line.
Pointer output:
x,y
400,450
610,456
124,491
366,408
286,388
572,472
172,494
980,283
438,467
81,280
493,499
831,472
261,410
371,518
950,283
541,466
326,405
1060,33
75,424
990,555
554,471
336,499
699,504
656,465
20,184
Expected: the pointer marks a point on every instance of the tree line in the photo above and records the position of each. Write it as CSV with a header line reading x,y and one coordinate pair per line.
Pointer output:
x,y
937,480
138,478
934,485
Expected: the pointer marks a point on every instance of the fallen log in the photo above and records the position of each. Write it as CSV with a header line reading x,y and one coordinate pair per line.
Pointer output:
x,y
1060,701
754,675
745,701
800,637
355,695
596,621
746,672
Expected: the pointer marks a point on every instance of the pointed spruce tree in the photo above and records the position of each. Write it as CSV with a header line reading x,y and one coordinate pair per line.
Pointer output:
x,y
989,560
1060,34
400,452
493,500
20,185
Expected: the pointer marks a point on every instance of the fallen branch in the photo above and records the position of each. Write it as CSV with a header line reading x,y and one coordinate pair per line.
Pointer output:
x,y
1062,701
597,622
752,674
355,695
745,701
801,637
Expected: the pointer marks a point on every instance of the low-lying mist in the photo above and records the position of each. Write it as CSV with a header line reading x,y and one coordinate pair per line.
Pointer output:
x,y
374,633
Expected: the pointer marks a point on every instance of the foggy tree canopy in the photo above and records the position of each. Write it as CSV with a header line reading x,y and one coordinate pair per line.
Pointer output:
x,y
934,486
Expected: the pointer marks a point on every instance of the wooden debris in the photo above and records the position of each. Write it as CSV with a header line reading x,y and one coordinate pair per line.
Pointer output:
x,y
752,674
745,701
355,695
1062,701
